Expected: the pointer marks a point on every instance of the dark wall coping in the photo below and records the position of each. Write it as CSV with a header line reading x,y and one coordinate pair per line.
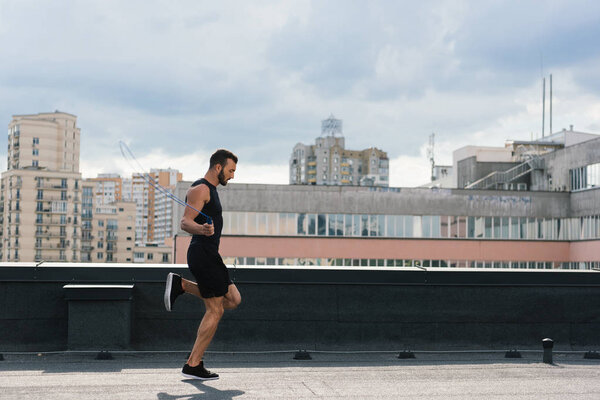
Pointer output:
x,y
128,273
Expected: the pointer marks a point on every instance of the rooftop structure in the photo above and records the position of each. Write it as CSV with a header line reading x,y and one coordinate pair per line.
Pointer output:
x,y
563,161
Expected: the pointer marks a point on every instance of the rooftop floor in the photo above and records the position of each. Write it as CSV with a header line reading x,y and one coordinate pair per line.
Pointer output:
x,y
278,376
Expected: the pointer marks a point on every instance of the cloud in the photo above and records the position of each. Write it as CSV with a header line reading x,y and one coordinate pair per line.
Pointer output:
x,y
181,79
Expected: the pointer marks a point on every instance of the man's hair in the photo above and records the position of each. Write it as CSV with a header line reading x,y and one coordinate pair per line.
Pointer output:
x,y
220,157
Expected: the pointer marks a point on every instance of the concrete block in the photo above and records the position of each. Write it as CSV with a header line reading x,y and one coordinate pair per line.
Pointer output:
x,y
100,316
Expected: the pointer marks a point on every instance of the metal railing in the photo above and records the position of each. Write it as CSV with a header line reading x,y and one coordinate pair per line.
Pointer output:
x,y
500,177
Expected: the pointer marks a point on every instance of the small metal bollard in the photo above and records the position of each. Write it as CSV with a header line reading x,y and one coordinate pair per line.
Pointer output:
x,y
512,354
302,355
548,344
406,354
104,355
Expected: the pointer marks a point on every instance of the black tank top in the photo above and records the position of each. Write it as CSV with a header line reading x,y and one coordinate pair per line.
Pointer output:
x,y
214,210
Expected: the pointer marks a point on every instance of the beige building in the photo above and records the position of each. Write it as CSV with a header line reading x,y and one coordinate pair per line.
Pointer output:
x,y
112,233
40,200
40,215
47,140
154,209
327,162
108,188
154,253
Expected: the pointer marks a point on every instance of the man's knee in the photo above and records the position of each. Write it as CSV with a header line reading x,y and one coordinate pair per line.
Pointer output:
x,y
215,308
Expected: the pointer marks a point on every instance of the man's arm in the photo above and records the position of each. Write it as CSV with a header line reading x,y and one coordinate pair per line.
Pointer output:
x,y
197,197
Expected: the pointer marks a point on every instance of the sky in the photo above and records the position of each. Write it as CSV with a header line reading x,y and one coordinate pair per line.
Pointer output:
x,y
176,80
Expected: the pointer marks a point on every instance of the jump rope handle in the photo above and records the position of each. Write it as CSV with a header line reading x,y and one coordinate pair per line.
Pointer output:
x,y
208,220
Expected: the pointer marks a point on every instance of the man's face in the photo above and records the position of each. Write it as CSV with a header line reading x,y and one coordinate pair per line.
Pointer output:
x,y
227,172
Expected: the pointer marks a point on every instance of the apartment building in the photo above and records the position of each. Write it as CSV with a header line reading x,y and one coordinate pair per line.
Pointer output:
x,y
328,162
40,193
112,233
154,253
153,210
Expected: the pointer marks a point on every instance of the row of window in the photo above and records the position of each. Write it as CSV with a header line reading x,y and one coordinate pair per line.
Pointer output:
x,y
379,262
586,177
410,226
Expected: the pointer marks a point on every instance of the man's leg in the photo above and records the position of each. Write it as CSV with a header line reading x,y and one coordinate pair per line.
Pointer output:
x,y
190,287
232,298
207,329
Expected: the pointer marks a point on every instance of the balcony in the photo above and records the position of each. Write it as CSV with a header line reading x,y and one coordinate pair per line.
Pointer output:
x,y
50,234
51,222
43,185
50,246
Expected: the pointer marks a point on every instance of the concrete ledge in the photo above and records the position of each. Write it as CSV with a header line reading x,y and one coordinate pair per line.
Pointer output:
x,y
100,316
121,306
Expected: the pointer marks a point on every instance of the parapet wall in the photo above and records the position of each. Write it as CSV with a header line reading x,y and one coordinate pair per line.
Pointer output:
x,y
297,308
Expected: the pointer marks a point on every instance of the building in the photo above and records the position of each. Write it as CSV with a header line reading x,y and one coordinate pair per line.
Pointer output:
x,y
160,226
154,253
87,220
40,193
556,226
153,222
46,140
153,211
550,163
108,188
327,162
112,233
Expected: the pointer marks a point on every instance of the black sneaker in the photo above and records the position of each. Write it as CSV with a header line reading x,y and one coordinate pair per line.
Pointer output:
x,y
198,372
172,290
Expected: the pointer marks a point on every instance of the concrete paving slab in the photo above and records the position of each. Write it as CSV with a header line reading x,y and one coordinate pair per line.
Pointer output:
x,y
278,376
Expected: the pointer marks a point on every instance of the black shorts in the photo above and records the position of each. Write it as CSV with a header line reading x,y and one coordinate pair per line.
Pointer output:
x,y
210,271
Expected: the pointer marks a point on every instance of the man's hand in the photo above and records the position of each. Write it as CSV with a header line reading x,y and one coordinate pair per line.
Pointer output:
x,y
208,229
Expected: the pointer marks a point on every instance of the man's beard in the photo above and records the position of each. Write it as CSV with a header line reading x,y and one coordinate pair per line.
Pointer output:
x,y
222,180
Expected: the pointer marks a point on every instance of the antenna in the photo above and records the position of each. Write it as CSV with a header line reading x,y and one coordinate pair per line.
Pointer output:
x,y
543,104
550,105
430,153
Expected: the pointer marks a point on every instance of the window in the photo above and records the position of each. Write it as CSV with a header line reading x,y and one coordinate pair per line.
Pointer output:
x,y
165,257
36,140
35,152
100,256
34,163
150,256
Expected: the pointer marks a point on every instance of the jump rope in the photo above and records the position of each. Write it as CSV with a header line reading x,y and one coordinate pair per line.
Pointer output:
x,y
139,170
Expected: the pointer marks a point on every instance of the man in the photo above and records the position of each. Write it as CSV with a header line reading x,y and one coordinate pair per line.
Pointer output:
x,y
213,284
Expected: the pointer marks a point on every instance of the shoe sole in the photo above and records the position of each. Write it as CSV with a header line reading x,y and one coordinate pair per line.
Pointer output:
x,y
168,287
199,378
